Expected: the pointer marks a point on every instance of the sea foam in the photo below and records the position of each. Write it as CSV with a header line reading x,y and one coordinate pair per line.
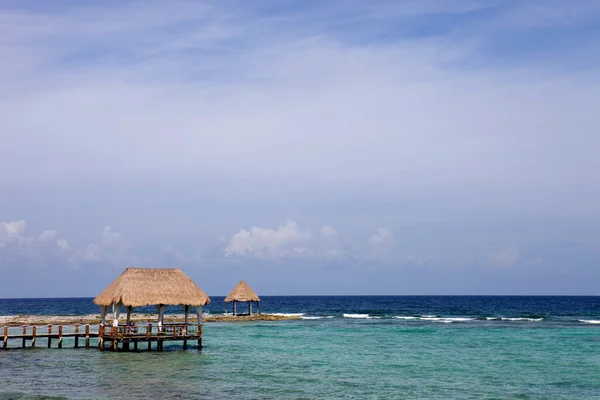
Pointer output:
x,y
522,319
590,321
288,314
434,318
447,320
359,316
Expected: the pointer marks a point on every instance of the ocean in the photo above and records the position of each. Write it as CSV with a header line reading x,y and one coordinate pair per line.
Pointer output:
x,y
344,347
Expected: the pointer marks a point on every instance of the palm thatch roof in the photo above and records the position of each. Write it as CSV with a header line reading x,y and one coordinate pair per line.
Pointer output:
x,y
242,292
138,287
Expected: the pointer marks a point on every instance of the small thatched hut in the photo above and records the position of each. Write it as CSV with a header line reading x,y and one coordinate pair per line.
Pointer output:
x,y
242,293
138,287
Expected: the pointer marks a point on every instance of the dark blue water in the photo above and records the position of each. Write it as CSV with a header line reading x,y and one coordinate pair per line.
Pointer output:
x,y
547,309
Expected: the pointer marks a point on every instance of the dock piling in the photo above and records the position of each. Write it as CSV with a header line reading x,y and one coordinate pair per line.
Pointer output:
x,y
199,333
101,337
76,336
87,336
49,337
60,337
148,334
33,334
24,335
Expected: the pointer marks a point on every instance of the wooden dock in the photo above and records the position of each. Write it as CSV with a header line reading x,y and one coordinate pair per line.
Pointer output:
x,y
119,338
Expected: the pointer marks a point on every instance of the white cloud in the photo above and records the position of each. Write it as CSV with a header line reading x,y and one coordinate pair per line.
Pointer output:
x,y
43,249
110,236
91,252
112,249
14,228
284,240
63,244
328,231
47,235
383,235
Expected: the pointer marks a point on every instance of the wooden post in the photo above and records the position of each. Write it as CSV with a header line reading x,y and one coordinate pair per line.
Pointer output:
x,y
76,336
135,342
115,344
159,343
87,336
24,333
250,307
34,332
49,338
199,333
101,337
60,336
148,334
5,340
234,308
124,333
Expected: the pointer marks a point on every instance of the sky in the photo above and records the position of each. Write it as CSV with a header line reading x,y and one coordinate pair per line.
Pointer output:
x,y
307,147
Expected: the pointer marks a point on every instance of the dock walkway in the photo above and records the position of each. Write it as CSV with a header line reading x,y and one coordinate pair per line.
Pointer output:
x,y
118,338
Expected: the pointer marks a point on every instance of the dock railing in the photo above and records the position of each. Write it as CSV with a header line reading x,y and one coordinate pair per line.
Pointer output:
x,y
115,335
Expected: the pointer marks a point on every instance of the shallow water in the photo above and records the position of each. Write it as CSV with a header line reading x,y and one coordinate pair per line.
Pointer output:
x,y
350,358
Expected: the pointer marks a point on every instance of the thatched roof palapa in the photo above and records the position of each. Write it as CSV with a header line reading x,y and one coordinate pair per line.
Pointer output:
x,y
138,287
243,293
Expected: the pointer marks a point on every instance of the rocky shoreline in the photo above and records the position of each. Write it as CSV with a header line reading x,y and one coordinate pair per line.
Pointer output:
x,y
93,319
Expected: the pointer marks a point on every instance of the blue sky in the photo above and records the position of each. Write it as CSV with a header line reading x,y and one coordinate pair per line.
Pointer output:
x,y
340,147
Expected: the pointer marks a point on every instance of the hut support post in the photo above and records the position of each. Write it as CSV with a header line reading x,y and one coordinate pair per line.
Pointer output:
x,y
161,311
234,308
129,311
257,308
250,307
116,308
186,310
103,311
199,313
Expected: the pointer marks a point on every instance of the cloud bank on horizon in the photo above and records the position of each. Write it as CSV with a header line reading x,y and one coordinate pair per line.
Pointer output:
x,y
320,147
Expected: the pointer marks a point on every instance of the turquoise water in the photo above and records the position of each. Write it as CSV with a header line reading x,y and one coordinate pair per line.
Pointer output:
x,y
350,358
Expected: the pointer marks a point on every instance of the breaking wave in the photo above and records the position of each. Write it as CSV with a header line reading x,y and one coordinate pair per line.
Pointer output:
x,y
434,318
288,314
522,319
359,316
